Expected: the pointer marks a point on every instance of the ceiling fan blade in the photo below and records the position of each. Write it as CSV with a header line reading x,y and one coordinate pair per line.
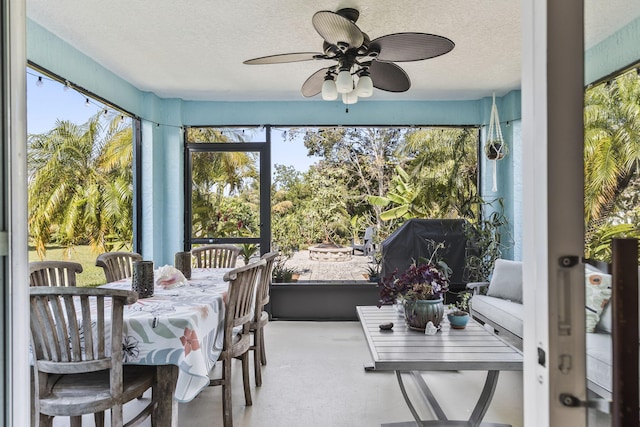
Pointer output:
x,y
313,85
404,47
388,76
285,57
337,29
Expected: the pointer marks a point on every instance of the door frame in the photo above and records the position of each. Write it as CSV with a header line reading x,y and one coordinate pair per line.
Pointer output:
x,y
264,151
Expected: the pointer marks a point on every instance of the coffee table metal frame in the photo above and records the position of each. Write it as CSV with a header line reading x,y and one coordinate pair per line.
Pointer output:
x,y
409,352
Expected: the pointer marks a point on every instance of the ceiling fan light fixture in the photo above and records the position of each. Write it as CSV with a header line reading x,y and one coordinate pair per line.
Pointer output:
x,y
364,89
344,82
329,89
350,98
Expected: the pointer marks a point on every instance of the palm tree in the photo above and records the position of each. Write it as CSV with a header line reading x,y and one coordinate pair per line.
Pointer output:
x,y
217,176
612,146
80,184
445,162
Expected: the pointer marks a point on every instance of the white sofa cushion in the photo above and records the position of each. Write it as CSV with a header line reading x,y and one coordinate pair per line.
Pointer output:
x,y
499,312
599,359
506,280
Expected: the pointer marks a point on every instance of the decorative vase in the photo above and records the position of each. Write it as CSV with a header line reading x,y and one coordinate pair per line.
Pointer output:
x,y
142,278
458,321
420,312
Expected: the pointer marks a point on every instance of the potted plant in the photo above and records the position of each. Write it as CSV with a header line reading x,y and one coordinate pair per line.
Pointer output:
x,y
281,273
372,273
247,250
458,314
373,269
420,289
495,149
486,239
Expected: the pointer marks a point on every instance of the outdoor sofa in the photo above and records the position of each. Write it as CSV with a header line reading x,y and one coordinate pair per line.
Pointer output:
x,y
501,308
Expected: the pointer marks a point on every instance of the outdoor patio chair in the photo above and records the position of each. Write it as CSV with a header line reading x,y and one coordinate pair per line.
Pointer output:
x,y
261,317
367,242
216,256
117,265
237,339
77,366
53,273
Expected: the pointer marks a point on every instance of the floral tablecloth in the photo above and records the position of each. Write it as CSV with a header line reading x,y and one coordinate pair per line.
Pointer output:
x,y
182,326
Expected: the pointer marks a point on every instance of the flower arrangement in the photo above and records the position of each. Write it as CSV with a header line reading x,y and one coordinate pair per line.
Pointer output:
x,y
423,281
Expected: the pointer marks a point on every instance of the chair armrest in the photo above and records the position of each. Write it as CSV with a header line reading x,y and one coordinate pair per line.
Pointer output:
x,y
477,286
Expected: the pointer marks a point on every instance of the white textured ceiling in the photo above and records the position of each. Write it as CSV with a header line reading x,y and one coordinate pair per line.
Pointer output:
x,y
193,49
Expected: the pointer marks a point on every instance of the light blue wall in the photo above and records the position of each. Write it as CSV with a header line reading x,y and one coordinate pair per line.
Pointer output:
x,y
162,232
619,51
508,169
331,113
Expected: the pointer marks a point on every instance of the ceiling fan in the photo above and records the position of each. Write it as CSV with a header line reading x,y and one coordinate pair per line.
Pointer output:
x,y
361,63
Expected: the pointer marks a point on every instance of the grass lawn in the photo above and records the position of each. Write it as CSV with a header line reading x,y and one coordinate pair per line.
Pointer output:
x,y
90,276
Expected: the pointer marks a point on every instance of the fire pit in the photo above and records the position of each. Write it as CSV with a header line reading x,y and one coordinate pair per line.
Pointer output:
x,y
329,252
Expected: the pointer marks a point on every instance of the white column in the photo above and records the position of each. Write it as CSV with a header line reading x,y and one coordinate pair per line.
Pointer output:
x,y
13,134
552,133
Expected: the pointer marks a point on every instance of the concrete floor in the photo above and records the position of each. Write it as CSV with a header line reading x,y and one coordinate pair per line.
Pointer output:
x,y
315,378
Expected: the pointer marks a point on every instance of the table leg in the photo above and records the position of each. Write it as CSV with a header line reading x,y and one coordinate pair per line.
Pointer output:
x,y
475,420
166,415
485,398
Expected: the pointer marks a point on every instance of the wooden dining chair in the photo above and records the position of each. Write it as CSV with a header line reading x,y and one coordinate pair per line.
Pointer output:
x,y
77,366
53,273
117,265
216,256
237,338
261,317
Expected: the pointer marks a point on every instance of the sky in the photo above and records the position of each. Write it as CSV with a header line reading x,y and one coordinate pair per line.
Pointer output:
x,y
49,102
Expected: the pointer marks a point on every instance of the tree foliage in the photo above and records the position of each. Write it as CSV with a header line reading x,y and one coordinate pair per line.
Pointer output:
x,y
612,153
80,185
224,192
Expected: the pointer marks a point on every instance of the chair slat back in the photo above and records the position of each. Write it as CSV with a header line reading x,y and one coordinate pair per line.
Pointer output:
x,y
117,265
216,256
53,273
262,295
242,286
70,331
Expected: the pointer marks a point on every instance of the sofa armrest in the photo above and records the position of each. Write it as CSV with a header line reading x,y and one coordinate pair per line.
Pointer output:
x,y
476,287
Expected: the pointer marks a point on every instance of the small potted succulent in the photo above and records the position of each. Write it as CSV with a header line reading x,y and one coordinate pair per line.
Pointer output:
x,y
458,314
372,273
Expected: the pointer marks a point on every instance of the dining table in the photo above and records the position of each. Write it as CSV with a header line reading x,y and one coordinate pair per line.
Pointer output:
x,y
180,330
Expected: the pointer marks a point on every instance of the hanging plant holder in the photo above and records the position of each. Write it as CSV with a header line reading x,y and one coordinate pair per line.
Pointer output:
x,y
495,148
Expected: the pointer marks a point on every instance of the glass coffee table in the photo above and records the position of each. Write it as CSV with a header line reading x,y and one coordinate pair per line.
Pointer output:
x,y
408,352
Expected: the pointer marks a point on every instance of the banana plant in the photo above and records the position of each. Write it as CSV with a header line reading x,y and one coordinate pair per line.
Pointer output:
x,y
402,196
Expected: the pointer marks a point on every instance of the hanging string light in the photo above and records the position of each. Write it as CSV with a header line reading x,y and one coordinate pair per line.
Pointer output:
x,y
88,102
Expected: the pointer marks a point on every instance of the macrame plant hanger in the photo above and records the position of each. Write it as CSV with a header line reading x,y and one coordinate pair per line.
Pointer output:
x,y
495,143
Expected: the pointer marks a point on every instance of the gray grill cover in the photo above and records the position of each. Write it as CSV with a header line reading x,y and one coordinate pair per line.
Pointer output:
x,y
410,242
